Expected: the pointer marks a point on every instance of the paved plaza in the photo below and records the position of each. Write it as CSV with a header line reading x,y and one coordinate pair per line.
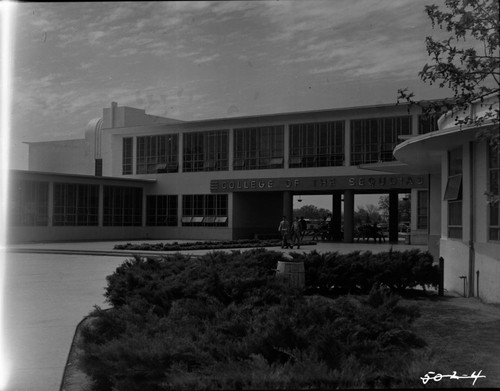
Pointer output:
x,y
51,287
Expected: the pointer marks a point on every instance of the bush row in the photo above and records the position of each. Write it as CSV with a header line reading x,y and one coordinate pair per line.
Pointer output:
x,y
223,321
206,245
358,272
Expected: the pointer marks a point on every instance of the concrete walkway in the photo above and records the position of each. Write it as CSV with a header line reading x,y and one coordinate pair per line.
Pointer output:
x,y
51,287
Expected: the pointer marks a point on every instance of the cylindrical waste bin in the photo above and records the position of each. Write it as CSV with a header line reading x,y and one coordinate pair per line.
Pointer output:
x,y
292,272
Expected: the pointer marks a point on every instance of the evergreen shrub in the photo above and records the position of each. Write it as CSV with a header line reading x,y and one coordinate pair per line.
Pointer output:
x,y
223,321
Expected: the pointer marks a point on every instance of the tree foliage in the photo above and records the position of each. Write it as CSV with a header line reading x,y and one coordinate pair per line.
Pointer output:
x,y
311,212
467,62
404,207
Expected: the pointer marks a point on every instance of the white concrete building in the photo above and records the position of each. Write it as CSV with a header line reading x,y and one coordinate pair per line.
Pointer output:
x,y
136,176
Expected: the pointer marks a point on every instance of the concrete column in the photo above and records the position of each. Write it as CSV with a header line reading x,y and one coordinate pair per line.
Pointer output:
x,y
347,143
230,149
100,208
179,210
181,152
337,215
348,216
288,205
393,217
286,146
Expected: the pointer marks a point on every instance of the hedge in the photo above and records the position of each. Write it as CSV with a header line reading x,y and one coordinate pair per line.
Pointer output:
x,y
223,321
358,272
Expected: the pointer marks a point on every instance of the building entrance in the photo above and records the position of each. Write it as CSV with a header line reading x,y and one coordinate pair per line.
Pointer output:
x,y
255,202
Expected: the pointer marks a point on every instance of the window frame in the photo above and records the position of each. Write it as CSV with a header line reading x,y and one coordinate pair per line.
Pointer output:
x,y
317,144
374,139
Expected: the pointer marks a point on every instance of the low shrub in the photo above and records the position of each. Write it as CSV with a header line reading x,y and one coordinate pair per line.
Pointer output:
x,y
357,272
224,322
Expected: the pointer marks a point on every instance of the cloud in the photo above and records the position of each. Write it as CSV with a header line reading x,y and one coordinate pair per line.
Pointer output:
x,y
205,59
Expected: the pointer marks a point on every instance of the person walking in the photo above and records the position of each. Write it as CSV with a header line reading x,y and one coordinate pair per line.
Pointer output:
x,y
303,228
284,229
296,232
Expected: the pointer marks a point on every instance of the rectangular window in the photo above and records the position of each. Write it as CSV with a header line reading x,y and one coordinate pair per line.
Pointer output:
x,y
453,193
127,156
75,204
258,148
161,210
427,123
29,203
206,151
317,144
422,209
205,210
373,140
122,206
157,154
494,189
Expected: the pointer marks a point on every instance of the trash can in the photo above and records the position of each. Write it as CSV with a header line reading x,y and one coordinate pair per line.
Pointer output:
x,y
408,239
292,272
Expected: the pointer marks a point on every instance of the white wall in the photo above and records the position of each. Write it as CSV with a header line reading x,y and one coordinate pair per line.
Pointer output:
x,y
69,157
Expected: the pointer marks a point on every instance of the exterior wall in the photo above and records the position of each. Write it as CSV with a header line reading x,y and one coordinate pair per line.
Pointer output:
x,y
76,154
456,263
436,196
474,256
51,232
123,116
67,233
487,263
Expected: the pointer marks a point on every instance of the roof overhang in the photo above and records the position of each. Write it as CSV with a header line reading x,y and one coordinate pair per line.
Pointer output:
x,y
394,167
423,153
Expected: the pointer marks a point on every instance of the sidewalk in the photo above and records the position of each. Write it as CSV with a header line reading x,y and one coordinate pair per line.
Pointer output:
x,y
107,247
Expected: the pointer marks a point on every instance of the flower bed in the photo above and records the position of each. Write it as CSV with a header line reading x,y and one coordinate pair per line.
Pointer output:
x,y
206,245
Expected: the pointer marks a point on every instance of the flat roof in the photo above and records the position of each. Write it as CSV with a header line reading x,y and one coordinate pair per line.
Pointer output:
x,y
83,176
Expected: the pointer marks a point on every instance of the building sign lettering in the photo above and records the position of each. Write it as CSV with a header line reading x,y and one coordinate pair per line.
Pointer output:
x,y
355,182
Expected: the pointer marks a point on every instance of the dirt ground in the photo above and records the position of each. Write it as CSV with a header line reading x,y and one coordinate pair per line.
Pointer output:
x,y
462,335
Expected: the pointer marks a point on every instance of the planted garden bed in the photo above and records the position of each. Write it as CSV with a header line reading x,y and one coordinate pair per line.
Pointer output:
x,y
206,245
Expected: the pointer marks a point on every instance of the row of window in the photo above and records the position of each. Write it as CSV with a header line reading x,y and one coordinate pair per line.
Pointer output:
x,y
320,144
78,205
453,193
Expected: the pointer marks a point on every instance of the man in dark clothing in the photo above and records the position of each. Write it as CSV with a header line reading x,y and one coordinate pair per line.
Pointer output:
x,y
303,227
284,229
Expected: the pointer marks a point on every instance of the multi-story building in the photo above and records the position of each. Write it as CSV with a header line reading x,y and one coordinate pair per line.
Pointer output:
x,y
137,176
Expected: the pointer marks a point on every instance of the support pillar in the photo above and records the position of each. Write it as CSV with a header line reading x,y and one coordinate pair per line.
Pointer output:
x,y
337,215
288,205
393,217
348,216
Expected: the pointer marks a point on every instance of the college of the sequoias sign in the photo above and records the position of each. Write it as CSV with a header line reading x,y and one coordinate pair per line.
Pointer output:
x,y
355,182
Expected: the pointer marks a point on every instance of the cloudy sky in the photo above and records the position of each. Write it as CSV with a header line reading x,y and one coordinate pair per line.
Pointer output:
x,y
195,60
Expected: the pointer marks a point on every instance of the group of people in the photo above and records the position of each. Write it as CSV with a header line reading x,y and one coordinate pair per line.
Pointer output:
x,y
292,232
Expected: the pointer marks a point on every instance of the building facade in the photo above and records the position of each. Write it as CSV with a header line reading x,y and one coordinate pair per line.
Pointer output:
x,y
137,176
469,168
223,178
